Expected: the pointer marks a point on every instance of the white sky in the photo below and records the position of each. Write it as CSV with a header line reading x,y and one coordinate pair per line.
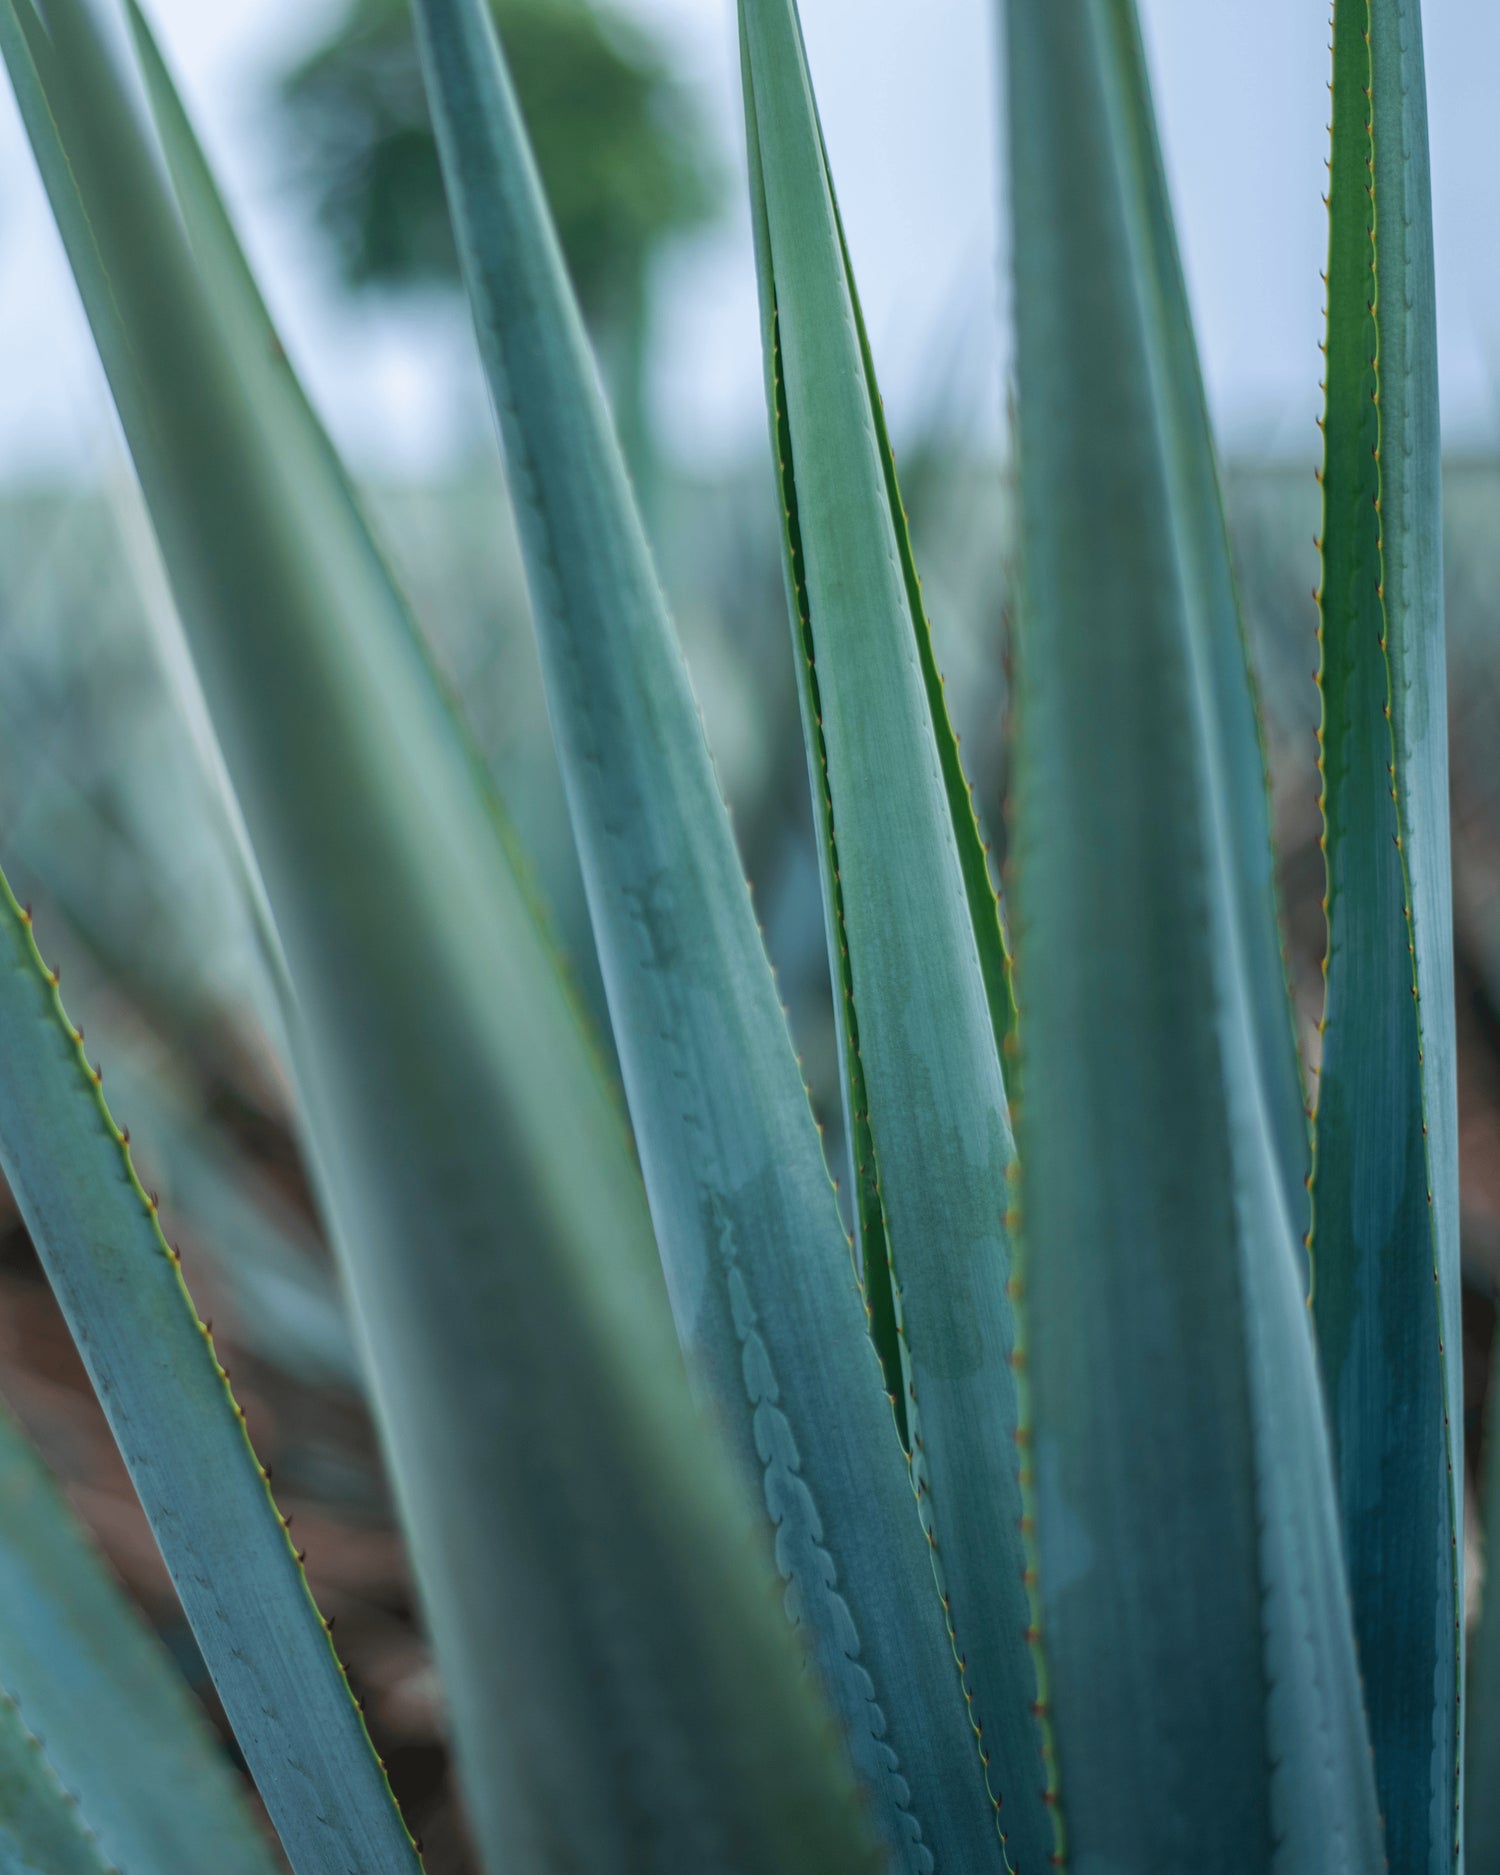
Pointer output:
x,y
908,93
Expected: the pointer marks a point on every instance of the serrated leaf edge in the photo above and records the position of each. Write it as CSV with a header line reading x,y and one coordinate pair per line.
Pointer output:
x,y
1395,770
93,1077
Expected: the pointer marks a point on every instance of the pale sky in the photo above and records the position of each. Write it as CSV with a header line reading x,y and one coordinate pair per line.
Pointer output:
x,y
908,90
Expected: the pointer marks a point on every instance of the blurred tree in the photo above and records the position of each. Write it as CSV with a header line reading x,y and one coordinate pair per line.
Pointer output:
x,y
622,151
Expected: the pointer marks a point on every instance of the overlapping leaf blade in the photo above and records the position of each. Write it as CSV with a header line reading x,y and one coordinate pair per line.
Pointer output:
x,y
1385,1212
755,1255
165,1395
1229,695
623,1692
1196,1629
973,853
123,1735
287,1307
925,1096
41,1828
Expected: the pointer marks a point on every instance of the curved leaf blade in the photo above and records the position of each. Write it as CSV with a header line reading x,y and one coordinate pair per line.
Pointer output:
x,y
286,1302
755,1256
41,1830
123,1734
1205,1698
596,1595
925,1095
1385,1210
180,1433
1227,681
973,853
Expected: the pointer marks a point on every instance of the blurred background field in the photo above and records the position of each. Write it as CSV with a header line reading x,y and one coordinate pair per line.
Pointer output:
x,y
111,819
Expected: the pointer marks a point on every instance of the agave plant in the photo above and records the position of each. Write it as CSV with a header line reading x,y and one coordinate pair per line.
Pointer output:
x,y
1042,1521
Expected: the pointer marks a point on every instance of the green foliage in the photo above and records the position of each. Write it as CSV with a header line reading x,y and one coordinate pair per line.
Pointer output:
x,y
745,1217
602,1512
123,1736
1177,1418
623,160
42,1828
625,164
925,1096
182,1436
1385,1186
1093,1545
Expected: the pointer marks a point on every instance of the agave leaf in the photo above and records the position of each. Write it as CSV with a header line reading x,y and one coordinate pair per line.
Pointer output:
x,y
755,1255
973,850
252,337
1228,689
979,889
122,1732
239,301
927,1100
246,916
286,1302
1199,1649
150,887
182,1437
622,1688
1385,1211
41,1828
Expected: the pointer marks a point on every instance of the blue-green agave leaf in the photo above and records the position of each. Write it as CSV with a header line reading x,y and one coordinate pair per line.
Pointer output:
x,y
1229,694
756,1259
925,1095
252,335
622,1687
1200,1665
123,1734
1385,1184
153,1365
42,1830
973,852
138,858
285,1298
973,849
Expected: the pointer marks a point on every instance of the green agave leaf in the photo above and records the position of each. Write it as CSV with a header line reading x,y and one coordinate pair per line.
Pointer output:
x,y
1200,1663
216,832
252,337
208,226
1227,686
166,1397
979,889
73,846
624,1693
41,1830
755,1255
286,1302
1385,1232
1481,1811
122,1732
62,850
973,850
925,1094
238,299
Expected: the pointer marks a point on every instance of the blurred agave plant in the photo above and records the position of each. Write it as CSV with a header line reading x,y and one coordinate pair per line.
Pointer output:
x,y
1079,1561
